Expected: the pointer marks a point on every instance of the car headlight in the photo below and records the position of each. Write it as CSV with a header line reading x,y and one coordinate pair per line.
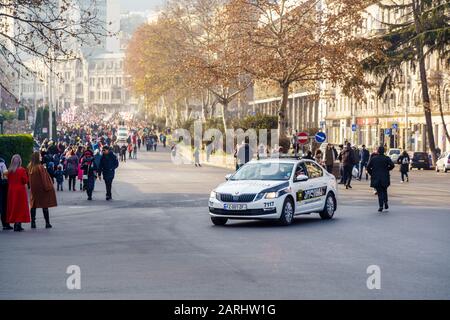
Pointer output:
x,y
274,195
213,194
271,195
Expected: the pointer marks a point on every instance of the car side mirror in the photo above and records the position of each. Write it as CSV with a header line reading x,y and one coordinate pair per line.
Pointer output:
x,y
301,178
228,176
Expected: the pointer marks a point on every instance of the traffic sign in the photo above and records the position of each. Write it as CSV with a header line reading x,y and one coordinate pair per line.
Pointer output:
x,y
387,132
395,126
354,126
320,137
302,137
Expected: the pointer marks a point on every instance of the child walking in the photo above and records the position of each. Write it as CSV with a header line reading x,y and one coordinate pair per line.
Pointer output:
x,y
59,175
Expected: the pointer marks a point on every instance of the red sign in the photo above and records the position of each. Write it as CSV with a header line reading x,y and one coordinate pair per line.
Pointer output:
x,y
302,137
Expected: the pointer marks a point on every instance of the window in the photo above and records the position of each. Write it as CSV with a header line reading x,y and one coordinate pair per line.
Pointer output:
x,y
314,171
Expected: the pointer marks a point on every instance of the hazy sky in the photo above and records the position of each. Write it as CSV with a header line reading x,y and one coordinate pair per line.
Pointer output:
x,y
139,5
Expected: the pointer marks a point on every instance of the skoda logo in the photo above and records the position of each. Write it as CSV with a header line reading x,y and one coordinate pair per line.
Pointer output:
x,y
236,193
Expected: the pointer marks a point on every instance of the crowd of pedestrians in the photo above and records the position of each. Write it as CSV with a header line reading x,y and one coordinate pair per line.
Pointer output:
x,y
82,153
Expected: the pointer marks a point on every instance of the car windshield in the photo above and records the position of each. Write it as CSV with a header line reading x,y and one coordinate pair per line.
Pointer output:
x,y
264,171
394,151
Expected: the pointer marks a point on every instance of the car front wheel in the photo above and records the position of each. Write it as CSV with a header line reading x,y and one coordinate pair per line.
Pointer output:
x,y
218,221
287,214
329,208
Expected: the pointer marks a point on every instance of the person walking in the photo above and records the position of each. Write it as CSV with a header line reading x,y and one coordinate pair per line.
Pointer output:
x,y
108,165
72,169
42,193
364,160
155,142
162,138
318,156
404,160
197,156
347,157
356,160
89,168
379,168
17,210
130,151
243,154
123,153
3,193
135,149
59,176
341,166
329,158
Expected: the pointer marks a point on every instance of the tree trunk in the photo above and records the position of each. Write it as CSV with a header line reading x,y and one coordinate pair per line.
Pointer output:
x,y
441,111
224,115
424,82
282,111
186,105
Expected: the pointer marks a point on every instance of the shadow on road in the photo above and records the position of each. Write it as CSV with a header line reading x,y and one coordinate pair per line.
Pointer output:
x,y
298,222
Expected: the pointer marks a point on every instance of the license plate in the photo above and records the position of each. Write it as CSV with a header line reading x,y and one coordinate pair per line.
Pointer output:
x,y
421,160
234,206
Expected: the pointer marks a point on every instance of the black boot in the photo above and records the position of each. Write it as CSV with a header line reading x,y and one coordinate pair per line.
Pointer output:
x,y
33,218
18,227
47,219
7,227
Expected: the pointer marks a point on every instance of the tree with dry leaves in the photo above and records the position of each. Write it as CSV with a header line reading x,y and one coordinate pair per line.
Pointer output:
x,y
44,29
210,50
301,42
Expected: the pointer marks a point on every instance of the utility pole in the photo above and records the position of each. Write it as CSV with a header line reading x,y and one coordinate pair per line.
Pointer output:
x,y
50,102
405,100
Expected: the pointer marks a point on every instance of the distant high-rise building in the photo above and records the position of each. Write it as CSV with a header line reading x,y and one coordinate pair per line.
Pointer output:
x,y
108,13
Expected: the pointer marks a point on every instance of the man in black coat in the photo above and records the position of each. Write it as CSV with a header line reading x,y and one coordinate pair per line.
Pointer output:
x,y
108,165
364,156
347,157
379,167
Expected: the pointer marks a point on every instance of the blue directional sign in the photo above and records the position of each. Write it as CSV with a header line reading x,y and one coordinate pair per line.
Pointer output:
x,y
387,132
320,137
354,126
395,126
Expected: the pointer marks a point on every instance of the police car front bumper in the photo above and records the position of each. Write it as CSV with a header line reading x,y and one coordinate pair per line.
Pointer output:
x,y
261,209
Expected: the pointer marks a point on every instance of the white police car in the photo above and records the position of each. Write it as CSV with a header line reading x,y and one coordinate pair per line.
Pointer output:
x,y
277,189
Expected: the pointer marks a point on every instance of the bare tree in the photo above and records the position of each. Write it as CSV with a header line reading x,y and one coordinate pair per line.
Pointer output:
x,y
50,30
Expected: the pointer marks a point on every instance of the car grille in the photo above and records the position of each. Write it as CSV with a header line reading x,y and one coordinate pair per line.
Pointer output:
x,y
224,197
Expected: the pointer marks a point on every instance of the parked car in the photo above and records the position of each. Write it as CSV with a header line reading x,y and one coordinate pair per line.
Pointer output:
x,y
394,154
420,160
443,163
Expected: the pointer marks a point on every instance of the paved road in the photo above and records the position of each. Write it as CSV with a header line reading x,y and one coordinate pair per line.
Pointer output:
x,y
155,241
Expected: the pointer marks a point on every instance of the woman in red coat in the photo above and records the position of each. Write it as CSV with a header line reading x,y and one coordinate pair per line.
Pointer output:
x,y
18,211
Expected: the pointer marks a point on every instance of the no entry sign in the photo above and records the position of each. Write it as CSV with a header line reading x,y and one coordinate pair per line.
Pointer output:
x,y
302,137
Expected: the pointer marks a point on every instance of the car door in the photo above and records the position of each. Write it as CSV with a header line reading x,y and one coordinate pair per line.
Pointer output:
x,y
317,187
299,189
